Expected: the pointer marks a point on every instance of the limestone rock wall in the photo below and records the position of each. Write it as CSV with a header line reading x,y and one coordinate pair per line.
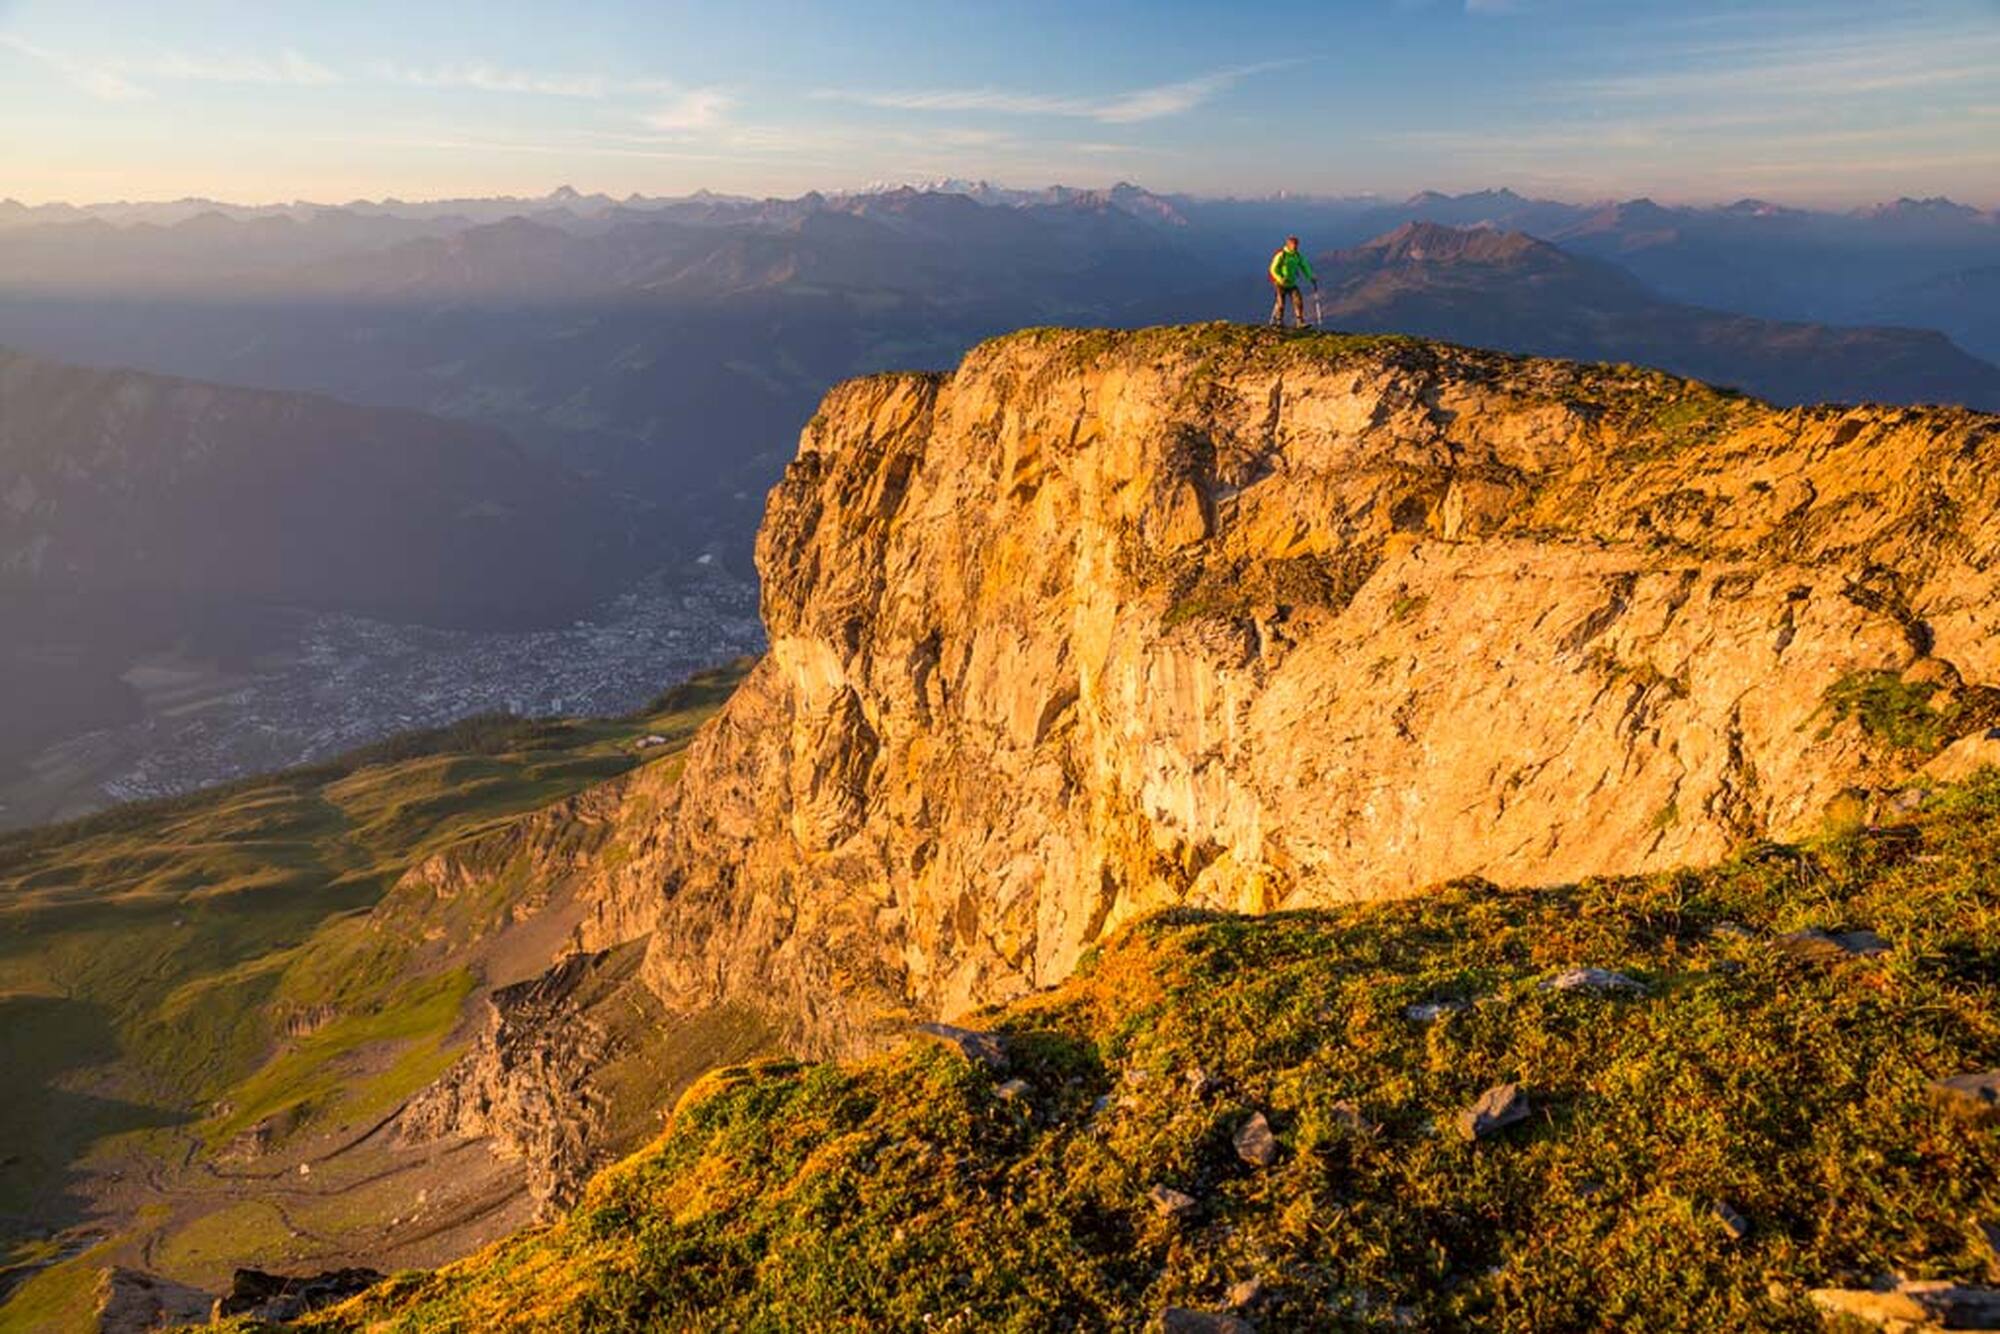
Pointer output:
x,y
1106,622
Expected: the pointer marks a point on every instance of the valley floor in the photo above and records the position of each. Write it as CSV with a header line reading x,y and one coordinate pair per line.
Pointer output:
x,y
215,1008
328,682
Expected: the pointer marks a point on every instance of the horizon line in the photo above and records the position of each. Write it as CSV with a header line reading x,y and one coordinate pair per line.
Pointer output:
x,y
965,187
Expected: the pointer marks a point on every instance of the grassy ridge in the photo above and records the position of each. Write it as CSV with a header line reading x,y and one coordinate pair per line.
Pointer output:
x,y
912,1192
150,954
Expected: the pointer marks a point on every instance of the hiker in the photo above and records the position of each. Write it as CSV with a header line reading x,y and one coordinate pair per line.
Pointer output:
x,y
1287,267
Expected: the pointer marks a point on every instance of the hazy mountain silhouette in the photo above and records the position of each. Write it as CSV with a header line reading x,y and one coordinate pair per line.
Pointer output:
x,y
1964,304
1508,290
122,482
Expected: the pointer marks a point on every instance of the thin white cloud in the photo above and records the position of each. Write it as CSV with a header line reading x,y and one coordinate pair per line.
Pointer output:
x,y
696,109
1529,146
100,81
560,148
287,67
1170,99
1143,104
125,80
1882,60
682,109
484,78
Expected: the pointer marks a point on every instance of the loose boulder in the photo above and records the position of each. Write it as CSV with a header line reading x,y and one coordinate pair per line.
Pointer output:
x,y
1255,1144
1596,980
130,1300
1499,1107
1913,1306
1966,756
1816,946
1429,1012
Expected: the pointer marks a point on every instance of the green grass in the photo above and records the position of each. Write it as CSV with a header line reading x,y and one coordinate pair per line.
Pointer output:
x,y
1895,712
1406,605
904,1193
57,1298
315,1072
154,949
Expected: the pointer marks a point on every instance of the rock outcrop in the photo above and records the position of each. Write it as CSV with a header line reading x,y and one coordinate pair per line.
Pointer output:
x,y
527,1083
130,1301
1107,622
279,1297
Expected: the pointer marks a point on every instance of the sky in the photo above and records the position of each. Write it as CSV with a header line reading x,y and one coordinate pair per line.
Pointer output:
x,y
1826,102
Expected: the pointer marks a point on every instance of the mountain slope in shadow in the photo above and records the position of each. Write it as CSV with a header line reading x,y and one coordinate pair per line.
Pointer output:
x,y
1511,291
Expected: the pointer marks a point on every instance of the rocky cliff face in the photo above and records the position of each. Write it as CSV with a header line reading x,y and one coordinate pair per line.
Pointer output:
x,y
1106,622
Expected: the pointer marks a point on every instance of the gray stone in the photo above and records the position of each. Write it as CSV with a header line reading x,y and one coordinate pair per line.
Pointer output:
x,y
987,1049
1735,1224
1180,1320
1172,1203
1912,1306
1594,979
1429,1012
1013,1090
1904,802
1966,756
1499,1107
1247,1293
1255,1144
1816,946
1974,1097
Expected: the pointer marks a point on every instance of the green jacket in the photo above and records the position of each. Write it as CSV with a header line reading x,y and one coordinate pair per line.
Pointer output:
x,y
1289,266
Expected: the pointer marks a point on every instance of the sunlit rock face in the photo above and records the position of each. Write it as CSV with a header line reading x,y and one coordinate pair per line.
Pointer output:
x,y
1106,622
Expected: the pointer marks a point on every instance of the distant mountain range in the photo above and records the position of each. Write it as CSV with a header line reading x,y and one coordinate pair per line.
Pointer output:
x,y
671,348
1509,290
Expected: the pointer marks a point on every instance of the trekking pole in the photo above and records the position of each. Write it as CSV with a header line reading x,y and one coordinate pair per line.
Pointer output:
x,y
1319,316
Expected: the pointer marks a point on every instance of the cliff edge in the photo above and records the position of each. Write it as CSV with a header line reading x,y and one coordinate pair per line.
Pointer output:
x,y
1106,622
